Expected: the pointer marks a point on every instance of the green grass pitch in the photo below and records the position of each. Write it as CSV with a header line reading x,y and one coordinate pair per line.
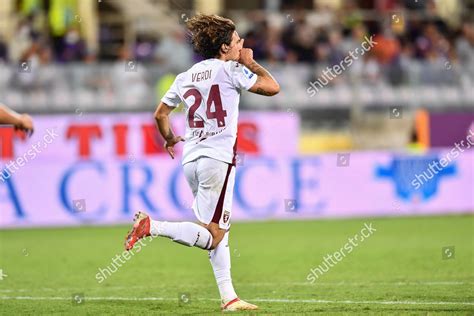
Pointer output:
x,y
397,270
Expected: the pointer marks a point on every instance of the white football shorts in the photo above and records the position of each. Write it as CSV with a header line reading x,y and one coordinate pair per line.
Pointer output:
x,y
212,183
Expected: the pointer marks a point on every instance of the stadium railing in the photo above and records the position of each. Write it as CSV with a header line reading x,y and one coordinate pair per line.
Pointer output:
x,y
106,87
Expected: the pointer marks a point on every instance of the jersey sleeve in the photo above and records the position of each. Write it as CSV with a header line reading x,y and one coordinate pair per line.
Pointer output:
x,y
242,77
171,97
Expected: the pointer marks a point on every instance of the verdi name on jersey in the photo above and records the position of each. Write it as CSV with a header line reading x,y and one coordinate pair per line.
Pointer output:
x,y
204,75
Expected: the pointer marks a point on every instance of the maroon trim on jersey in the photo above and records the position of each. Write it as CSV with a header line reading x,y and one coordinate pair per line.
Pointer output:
x,y
220,204
234,160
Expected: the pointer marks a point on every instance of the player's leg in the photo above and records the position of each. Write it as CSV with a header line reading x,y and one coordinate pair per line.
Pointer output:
x,y
204,178
220,262
212,183
185,233
219,256
207,178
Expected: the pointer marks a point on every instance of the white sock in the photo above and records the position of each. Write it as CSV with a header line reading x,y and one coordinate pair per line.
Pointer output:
x,y
220,261
185,233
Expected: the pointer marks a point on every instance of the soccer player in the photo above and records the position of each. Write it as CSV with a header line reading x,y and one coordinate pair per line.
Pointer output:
x,y
22,122
210,91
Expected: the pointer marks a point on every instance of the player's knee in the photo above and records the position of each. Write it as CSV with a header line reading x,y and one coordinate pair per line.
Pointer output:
x,y
217,236
215,242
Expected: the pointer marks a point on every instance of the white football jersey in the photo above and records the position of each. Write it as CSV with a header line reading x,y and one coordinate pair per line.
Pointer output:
x,y
210,91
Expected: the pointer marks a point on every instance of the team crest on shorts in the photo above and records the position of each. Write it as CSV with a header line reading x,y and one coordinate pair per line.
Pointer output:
x,y
226,216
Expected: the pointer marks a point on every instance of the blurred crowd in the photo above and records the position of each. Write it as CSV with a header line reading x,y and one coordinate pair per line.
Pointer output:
x,y
428,56
319,36
327,35
403,33
43,37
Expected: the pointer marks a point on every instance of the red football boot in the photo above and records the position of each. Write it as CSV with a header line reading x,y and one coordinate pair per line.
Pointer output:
x,y
140,229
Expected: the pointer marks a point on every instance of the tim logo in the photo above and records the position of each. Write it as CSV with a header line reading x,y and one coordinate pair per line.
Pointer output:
x,y
405,171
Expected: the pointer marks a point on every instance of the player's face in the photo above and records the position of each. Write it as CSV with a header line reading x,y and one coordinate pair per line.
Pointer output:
x,y
235,47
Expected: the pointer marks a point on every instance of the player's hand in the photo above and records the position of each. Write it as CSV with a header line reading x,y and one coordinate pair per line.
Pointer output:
x,y
246,56
25,124
170,144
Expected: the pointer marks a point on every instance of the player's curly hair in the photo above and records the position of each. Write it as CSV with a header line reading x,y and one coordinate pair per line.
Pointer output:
x,y
209,32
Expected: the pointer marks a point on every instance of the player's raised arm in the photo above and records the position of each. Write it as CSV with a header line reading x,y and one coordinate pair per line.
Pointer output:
x,y
21,122
265,84
163,123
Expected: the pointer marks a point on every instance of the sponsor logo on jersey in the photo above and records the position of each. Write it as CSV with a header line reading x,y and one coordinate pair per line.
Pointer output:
x,y
247,72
